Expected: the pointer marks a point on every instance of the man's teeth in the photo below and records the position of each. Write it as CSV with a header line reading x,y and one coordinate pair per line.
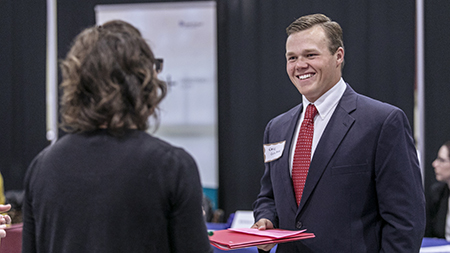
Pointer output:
x,y
305,76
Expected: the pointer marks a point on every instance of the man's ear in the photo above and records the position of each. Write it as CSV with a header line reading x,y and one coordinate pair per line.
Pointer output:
x,y
339,56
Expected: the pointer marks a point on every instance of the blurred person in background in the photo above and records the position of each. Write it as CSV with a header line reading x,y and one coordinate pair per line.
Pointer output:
x,y
438,220
4,219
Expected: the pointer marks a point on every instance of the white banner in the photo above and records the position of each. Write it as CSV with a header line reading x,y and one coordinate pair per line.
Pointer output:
x,y
184,35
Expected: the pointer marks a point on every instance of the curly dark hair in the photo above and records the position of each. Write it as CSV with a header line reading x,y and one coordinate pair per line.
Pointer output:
x,y
109,80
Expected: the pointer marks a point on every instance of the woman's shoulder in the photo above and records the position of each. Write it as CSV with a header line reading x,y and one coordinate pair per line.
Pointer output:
x,y
438,191
439,188
163,148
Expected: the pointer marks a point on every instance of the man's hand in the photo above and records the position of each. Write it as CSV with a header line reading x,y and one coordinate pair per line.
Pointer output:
x,y
264,224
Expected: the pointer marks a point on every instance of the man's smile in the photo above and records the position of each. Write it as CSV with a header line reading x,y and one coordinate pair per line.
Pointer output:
x,y
305,76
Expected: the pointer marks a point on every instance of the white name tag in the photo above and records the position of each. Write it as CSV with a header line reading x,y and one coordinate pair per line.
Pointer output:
x,y
273,151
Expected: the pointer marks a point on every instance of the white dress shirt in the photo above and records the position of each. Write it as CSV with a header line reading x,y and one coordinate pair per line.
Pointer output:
x,y
325,105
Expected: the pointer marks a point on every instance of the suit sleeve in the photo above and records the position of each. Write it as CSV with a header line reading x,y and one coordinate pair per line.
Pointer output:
x,y
399,186
264,206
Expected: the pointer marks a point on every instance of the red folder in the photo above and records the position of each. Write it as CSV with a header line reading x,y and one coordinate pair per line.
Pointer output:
x,y
235,239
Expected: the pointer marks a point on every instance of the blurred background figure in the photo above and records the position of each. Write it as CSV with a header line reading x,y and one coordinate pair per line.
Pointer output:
x,y
438,220
108,185
4,219
15,199
2,191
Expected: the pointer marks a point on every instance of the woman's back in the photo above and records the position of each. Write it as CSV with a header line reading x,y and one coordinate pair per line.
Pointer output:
x,y
94,192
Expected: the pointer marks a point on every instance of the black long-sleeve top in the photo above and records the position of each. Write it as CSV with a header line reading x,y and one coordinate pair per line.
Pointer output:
x,y
94,192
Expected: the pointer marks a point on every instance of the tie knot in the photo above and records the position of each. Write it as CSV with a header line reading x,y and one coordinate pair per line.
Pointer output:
x,y
311,112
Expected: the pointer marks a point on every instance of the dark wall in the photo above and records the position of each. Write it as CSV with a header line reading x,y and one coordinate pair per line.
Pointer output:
x,y
253,84
22,85
437,81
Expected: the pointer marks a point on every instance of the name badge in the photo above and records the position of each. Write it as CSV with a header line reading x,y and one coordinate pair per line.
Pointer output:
x,y
273,151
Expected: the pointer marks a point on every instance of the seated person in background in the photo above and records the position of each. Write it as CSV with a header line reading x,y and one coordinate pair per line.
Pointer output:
x,y
108,185
438,220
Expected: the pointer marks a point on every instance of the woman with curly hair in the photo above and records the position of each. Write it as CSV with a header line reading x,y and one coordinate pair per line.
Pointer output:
x,y
107,185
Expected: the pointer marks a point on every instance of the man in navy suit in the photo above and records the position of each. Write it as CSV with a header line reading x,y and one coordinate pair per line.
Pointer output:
x,y
363,191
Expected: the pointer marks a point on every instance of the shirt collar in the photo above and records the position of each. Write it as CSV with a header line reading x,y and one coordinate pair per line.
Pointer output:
x,y
328,100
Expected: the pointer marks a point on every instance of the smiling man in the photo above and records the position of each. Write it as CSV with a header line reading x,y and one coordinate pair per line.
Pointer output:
x,y
345,167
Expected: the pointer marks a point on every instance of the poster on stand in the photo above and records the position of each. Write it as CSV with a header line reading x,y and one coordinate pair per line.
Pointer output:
x,y
184,35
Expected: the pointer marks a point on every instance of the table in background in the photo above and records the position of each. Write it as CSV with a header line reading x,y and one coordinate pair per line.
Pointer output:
x,y
429,245
435,245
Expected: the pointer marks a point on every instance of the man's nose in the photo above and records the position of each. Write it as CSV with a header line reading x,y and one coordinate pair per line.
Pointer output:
x,y
301,63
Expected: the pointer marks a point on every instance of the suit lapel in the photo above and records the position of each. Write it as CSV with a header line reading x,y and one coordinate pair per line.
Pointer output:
x,y
337,128
284,160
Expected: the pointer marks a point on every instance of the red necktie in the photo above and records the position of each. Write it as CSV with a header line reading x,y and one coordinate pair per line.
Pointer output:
x,y
302,155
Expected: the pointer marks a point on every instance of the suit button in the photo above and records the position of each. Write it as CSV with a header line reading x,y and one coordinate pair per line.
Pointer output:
x,y
299,224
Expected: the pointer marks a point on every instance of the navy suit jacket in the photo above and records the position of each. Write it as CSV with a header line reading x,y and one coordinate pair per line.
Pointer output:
x,y
363,192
